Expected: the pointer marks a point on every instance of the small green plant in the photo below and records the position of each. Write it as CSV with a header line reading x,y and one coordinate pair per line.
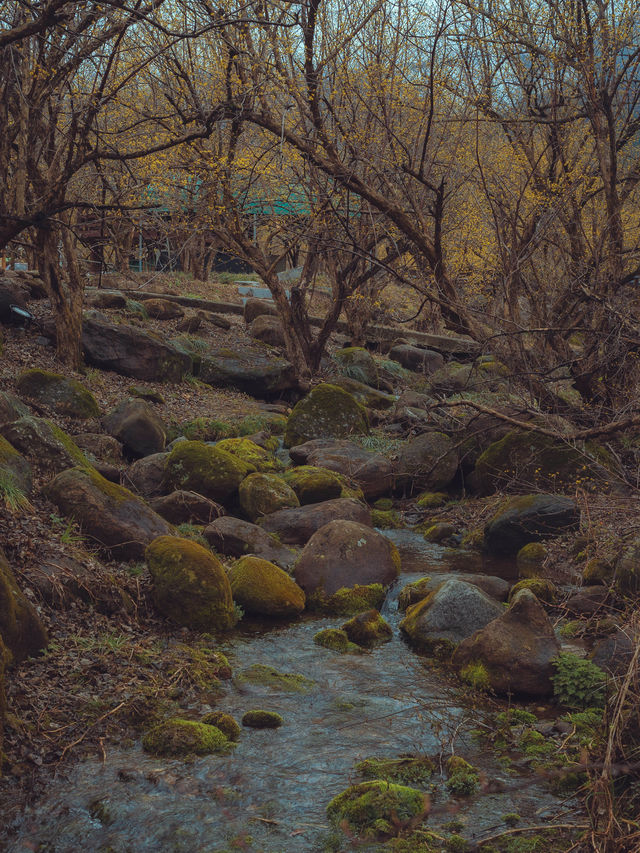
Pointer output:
x,y
193,532
13,496
69,533
475,675
578,683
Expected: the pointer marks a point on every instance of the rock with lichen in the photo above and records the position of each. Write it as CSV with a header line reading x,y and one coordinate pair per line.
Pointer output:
x,y
65,396
21,629
190,585
205,469
178,737
261,494
326,412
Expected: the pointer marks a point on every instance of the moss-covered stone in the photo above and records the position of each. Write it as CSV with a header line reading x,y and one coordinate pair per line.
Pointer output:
x,y
44,441
368,629
190,584
358,363
405,771
260,587
413,592
66,396
313,485
463,777
543,589
250,453
258,719
15,476
386,519
266,676
348,601
530,559
179,737
21,629
439,531
377,808
326,412
261,494
431,500
383,504
335,639
627,570
597,570
540,461
225,722
198,467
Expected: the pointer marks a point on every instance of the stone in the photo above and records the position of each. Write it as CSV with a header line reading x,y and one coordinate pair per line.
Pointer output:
x,y
198,467
130,351
111,515
495,587
540,461
254,369
358,363
343,554
233,537
182,507
414,358
267,329
427,462
372,472
614,653
587,601
257,719
106,299
368,629
177,737
21,629
163,309
261,588
261,494
62,580
449,614
529,518
11,293
146,476
44,442
296,526
11,407
377,809
191,322
258,308
368,397
627,569
326,412
15,474
530,559
516,649
137,425
190,585
98,446
65,396
314,485
249,452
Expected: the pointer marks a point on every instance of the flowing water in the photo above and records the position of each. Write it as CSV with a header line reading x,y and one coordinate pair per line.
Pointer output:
x,y
270,794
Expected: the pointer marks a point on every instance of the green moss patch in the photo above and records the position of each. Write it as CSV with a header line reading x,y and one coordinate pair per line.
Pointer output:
x,y
266,676
183,737
405,771
258,719
348,601
377,809
225,722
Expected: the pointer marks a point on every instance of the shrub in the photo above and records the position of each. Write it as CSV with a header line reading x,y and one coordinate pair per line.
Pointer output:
x,y
578,683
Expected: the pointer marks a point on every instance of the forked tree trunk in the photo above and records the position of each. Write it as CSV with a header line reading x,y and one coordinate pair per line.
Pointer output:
x,y
65,292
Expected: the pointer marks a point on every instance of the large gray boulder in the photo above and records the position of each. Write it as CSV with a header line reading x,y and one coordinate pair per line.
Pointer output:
x,y
450,614
297,525
427,462
137,425
529,518
373,472
516,649
131,352
346,554
14,470
233,537
414,358
256,370
111,515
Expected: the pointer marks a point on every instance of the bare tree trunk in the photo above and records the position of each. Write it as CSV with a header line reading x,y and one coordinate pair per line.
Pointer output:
x,y
65,293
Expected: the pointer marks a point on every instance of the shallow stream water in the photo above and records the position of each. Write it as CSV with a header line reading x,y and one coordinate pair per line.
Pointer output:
x,y
270,794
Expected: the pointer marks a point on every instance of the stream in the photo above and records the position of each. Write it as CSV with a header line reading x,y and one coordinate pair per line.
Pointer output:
x,y
270,793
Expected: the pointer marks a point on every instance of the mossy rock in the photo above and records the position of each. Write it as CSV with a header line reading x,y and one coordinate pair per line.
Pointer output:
x,y
66,396
473,539
431,500
530,559
365,394
21,629
464,779
404,771
179,737
261,588
368,629
383,504
348,601
335,639
543,589
358,363
326,412
542,462
414,592
627,570
250,453
439,531
190,584
313,485
198,467
44,441
258,719
597,570
15,476
377,809
386,519
261,494
225,722
261,675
